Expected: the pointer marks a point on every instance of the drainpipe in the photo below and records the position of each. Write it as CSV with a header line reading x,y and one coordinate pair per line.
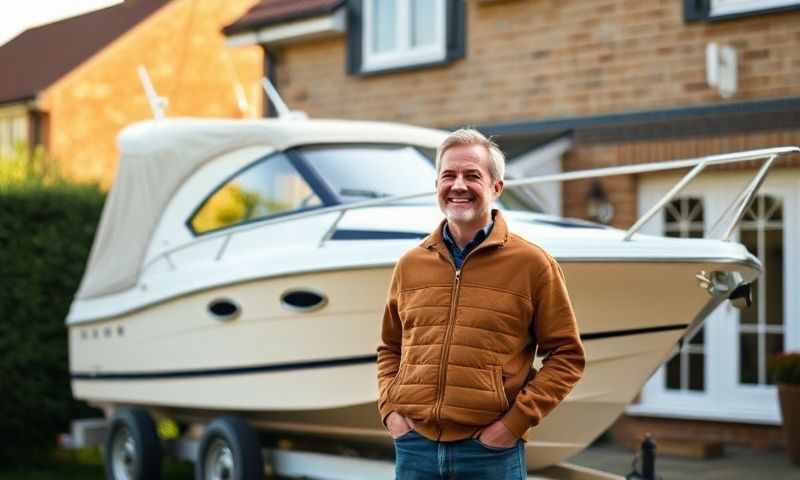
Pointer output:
x,y
270,71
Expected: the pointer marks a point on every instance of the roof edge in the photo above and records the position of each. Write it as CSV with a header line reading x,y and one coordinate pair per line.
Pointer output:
x,y
241,26
11,101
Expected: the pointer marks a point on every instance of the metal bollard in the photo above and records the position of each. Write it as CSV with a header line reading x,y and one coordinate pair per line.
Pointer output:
x,y
647,454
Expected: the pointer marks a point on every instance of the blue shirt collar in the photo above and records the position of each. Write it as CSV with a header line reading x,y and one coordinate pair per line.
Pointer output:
x,y
458,254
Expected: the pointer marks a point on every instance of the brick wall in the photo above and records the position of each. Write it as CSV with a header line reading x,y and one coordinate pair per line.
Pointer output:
x,y
529,59
630,431
184,52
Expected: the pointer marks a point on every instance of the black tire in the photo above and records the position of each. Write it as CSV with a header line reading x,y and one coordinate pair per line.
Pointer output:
x,y
144,461
243,449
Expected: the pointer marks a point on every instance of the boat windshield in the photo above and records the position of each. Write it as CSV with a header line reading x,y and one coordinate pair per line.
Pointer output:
x,y
360,172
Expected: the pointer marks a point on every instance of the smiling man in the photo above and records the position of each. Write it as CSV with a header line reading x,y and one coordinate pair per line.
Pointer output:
x,y
466,311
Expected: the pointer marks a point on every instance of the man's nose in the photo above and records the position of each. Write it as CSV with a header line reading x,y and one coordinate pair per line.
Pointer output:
x,y
459,183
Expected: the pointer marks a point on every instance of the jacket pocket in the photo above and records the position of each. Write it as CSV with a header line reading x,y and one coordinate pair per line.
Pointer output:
x,y
394,383
497,375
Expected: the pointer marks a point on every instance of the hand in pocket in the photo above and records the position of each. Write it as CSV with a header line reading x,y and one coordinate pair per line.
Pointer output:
x,y
398,425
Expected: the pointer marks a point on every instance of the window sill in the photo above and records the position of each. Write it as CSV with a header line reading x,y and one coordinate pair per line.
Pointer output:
x,y
374,71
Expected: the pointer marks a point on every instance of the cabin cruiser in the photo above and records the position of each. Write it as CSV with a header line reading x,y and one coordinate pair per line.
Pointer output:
x,y
242,266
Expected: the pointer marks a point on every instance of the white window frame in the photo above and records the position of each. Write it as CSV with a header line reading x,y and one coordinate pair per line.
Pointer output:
x,y
719,8
404,55
725,398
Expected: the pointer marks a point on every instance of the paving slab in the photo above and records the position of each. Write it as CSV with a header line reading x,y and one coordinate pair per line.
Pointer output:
x,y
736,463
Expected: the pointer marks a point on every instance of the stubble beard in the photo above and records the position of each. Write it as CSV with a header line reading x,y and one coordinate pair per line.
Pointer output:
x,y
460,215
465,216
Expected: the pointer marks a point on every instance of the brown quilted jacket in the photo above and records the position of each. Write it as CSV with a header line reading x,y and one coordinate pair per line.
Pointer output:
x,y
457,347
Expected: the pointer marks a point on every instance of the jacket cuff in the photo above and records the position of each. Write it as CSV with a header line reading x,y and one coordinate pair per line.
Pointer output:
x,y
516,421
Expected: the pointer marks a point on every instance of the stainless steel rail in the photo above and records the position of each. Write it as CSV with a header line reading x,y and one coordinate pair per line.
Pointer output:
x,y
697,165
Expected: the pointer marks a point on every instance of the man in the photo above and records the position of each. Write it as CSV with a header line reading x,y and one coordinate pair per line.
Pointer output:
x,y
465,311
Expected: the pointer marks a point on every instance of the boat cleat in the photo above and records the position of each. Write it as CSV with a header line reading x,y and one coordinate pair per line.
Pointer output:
x,y
730,283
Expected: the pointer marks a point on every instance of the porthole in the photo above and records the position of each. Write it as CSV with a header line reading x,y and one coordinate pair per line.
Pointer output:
x,y
303,300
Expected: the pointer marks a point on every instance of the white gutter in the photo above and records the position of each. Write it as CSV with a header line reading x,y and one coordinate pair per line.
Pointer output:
x,y
332,24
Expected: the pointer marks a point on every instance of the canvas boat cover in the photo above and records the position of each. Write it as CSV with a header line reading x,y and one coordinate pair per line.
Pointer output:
x,y
157,156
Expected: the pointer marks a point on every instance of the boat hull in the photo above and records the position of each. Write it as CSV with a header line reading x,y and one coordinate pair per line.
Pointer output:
x,y
315,373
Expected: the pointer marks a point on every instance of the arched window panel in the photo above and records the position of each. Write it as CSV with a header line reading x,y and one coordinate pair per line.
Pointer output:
x,y
684,217
761,327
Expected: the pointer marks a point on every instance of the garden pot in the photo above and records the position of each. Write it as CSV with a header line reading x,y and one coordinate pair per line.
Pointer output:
x,y
789,396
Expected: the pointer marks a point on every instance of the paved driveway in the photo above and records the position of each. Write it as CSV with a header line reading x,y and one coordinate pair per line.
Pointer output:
x,y
736,464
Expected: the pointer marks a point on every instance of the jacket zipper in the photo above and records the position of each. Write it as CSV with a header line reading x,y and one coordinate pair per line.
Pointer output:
x,y
446,351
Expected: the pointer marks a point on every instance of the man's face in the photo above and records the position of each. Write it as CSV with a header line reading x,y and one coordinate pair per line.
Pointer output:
x,y
465,188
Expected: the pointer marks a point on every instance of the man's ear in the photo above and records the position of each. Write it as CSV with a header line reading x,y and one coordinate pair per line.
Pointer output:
x,y
498,188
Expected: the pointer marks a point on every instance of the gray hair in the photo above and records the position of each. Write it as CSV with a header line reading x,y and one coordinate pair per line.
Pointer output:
x,y
470,136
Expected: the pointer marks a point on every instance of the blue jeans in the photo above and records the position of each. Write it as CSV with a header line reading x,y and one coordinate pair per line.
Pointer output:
x,y
417,458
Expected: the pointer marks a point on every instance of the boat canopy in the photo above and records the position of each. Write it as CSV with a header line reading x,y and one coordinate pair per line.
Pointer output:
x,y
157,156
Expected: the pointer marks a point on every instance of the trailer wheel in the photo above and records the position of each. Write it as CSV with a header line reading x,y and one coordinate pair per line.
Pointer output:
x,y
229,450
133,451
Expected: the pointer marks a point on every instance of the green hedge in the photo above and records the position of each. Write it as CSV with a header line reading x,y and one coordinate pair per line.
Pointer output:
x,y
46,231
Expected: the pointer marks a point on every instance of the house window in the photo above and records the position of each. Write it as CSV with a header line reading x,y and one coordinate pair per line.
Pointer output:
x,y
684,218
761,327
403,32
713,9
730,7
13,132
393,34
269,187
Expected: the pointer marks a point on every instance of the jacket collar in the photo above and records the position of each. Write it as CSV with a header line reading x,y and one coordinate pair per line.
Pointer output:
x,y
498,235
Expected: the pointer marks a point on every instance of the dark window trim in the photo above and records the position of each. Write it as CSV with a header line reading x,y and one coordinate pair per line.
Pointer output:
x,y
682,122
700,11
455,39
241,170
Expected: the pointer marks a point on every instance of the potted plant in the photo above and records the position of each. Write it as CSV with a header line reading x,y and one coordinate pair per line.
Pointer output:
x,y
785,369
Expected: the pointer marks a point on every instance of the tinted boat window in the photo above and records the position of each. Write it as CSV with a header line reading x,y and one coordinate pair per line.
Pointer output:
x,y
269,187
358,173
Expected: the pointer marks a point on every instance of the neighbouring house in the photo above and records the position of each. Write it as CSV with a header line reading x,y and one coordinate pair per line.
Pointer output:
x,y
72,85
579,84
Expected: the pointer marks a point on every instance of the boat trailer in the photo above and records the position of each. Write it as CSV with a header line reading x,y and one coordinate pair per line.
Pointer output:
x,y
284,458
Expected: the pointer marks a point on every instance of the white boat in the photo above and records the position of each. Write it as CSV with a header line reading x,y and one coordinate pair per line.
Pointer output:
x,y
242,267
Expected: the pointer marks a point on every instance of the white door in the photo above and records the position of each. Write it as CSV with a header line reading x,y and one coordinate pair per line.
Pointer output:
x,y
721,373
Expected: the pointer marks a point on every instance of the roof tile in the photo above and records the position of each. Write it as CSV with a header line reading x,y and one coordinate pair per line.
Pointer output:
x,y
37,57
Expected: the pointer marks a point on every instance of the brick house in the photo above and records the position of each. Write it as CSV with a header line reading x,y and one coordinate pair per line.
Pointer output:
x,y
75,100
575,84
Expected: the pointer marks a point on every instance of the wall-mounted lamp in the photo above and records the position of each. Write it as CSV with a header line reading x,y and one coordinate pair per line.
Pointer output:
x,y
598,208
721,69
